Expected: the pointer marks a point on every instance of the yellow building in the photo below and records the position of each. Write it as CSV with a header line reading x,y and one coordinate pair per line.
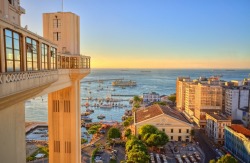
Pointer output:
x,y
31,66
190,99
196,97
207,98
171,121
181,91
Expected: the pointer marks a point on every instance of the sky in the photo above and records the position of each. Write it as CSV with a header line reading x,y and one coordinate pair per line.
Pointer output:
x,y
156,33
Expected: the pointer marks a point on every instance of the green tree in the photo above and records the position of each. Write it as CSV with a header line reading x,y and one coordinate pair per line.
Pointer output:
x,y
152,136
126,123
128,133
172,98
114,133
135,143
83,140
138,156
153,140
137,105
163,138
225,159
147,129
161,103
94,129
137,99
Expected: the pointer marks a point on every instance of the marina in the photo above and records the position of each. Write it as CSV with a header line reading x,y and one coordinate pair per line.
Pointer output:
x,y
160,81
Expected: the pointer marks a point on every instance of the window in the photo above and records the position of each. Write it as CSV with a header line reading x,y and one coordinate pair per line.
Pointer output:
x,y
57,36
172,130
12,51
59,62
44,57
187,130
52,58
172,137
11,2
56,23
31,54
163,129
179,130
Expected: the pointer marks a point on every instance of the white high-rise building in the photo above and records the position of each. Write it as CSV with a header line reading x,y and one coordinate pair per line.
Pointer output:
x,y
236,98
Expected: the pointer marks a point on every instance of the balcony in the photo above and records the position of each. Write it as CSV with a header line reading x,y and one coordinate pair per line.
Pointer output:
x,y
15,82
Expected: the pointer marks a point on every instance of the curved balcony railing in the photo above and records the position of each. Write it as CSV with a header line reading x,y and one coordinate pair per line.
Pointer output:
x,y
16,82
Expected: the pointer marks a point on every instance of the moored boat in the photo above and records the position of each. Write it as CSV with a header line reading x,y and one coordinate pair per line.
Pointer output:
x,y
107,106
101,116
86,118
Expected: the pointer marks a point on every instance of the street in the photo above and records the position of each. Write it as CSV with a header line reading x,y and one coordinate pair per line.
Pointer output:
x,y
205,145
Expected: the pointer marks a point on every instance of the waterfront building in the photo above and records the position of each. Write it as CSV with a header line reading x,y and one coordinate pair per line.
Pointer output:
x,y
237,142
31,66
151,97
171,121
180,91
215,126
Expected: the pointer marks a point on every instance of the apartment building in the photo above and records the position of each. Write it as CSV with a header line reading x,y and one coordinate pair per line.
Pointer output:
x,y
236,98
216,121
180,91
190,99
207,98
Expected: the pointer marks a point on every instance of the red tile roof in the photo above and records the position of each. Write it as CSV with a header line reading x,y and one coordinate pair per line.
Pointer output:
x,y
155,110
147,113
241,129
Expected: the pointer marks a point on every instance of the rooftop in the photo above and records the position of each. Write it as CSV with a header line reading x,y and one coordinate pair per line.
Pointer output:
x,y
218,116
156,110
236,121
240,129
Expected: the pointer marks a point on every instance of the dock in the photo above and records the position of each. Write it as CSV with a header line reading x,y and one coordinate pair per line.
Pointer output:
x,y
123,95
100,80
32,125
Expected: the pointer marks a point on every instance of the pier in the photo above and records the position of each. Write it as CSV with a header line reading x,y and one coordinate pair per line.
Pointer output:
x,y
122,95
100,80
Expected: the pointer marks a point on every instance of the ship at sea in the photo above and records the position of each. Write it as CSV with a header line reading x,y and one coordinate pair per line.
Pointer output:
x,y
123,83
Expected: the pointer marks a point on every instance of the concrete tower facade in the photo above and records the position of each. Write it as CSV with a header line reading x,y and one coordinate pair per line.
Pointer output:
x,y
63,28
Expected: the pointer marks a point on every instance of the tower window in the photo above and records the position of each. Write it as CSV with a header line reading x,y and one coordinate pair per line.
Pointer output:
x,y
56,23
57,36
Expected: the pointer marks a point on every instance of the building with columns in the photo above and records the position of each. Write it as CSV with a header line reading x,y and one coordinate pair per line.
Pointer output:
x,y
31,66
166,119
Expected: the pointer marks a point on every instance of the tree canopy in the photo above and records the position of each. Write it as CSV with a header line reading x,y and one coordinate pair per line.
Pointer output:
x,y
172,97
114,133
225,159
93,129
152,136
136,150
147,129
128,133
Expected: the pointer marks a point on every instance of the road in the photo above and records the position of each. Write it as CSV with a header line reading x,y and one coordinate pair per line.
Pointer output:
x,y
205,145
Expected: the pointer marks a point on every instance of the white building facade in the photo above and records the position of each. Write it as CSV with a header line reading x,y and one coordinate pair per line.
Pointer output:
x,y
151,97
